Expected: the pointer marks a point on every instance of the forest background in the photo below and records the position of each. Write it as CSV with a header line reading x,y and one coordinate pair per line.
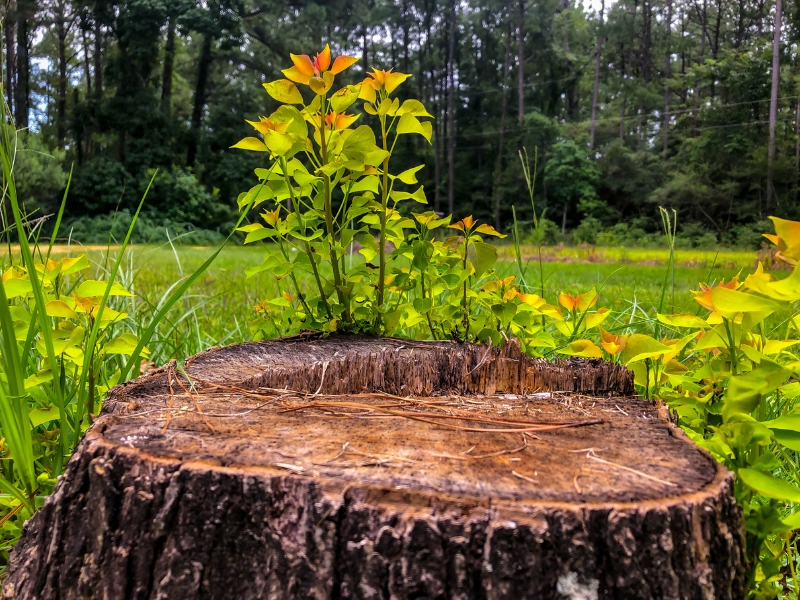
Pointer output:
x,y
631,105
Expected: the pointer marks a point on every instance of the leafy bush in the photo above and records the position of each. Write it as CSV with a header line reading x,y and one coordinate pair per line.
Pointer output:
x,y
113,227
587,231
40,174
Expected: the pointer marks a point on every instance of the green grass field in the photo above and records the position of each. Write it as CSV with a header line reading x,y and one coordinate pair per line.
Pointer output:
x,y
219,307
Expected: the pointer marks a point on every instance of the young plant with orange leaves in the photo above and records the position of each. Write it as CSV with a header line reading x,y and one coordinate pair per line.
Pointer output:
x,y
329,180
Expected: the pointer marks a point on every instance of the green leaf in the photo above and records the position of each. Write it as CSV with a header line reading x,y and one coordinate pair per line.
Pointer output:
x,y
91,289
73,265
38,379
768,485
584,348
409,176
278,143
16,287
684,320
345,97
790,439
482,256
59,308
410,124
730,302
365,184
250,143
289,114
40,416
640,347
123,344
413,107
284,91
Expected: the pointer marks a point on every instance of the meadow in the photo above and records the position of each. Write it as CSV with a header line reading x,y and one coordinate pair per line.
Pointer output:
x,y
218,308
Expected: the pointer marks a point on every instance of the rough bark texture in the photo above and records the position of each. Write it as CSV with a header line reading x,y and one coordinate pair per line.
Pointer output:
x,y
262,497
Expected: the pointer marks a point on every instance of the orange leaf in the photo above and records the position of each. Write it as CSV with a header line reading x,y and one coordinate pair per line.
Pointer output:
x,y
296,75
323,59
303,64
341,63
489,230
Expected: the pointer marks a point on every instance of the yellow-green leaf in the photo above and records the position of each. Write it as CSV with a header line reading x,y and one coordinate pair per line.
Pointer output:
x,y
284,91
410,124
684,320
769,486
409,176
778,346
584,348
91,288
640,347
40,416
250,143
59,308
16,288
729,302
123,344
72,265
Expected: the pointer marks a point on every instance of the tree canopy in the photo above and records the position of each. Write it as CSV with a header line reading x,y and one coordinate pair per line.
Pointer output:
x,y
631,104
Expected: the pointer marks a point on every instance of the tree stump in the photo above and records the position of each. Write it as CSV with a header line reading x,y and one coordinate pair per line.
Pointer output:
x,y
359,467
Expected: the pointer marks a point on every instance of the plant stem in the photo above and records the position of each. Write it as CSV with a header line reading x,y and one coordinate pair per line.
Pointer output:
x,y
326,182
384,208
306,244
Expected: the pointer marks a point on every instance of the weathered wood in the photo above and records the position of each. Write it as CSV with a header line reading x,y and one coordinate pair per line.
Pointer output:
x,y
341,488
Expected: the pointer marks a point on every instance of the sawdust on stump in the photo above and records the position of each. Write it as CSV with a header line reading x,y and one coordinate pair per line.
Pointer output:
x,y
360,467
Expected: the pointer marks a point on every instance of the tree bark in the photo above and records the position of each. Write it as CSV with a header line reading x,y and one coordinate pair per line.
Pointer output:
x,y
61,113
169,63
521,64
24,14
598,53
199,99
266,494
773,103
87,71
498,169
98,60
796,150
451,110
696,109
10,59
667,75
628,67
437,148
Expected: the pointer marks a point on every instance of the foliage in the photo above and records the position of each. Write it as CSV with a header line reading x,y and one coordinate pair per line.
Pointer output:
x,y
112,228
122,87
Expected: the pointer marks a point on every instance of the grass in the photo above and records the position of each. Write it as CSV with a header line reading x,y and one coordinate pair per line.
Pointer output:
x,y
218,307
726,259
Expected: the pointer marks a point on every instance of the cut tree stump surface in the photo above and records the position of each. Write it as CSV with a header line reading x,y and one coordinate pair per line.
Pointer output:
x,y
381,468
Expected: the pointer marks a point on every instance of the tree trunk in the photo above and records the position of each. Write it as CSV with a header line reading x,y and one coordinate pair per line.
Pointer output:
x,y
169,63
667,75
61,115
628,67
598,53
10,59
199,100
696,109
98,60
437,148
23,93
358,467
87,72
521,64
451,110
773,102
498,169
796,150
